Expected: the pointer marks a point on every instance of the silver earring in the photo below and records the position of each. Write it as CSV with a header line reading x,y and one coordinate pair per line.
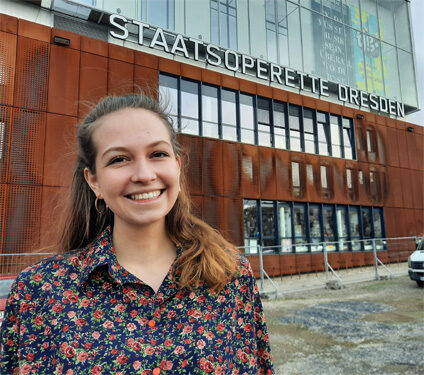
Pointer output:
x,y
96,202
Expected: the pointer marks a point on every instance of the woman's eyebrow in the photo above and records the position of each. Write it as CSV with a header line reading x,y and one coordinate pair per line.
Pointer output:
x,y
122,148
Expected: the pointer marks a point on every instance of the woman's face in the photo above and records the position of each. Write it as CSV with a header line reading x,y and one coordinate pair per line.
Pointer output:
x,y
137,172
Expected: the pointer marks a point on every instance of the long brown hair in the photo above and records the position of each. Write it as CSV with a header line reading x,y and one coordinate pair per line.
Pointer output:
x,y
207,256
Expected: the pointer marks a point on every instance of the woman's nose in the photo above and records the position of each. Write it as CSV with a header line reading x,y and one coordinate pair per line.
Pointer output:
x,y
143,171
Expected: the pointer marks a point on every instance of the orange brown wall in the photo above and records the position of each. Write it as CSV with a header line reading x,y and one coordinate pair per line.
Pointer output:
x,y
48,88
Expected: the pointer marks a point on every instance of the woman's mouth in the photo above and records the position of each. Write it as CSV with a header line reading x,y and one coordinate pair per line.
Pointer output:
x,y
145,196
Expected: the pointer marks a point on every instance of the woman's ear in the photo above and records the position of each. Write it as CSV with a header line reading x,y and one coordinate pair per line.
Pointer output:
x,y
92,182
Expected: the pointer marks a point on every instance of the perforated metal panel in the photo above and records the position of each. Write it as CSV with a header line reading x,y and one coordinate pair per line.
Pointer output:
x,y
233,220
231,168
7,73
193,148
31,74
5,124
3,200
267,173
22,220
249,171
212,167
26,147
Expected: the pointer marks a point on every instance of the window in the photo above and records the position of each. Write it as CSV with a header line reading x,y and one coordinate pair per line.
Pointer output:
x,y
294,126
352,183
160,13
377,215
309,131
250,225
279,125
168,90
210,111
296,178
324,182
355,229
285,226
315,227
189,107
2,138
300,224
229,115
276,31
371,141
366,226
264,122
329,227
224,23
342,229
375,186
247,120
348,139
323,134
335,136
268,225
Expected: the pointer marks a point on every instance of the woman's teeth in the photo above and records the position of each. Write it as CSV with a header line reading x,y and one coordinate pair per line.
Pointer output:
x,y
150,195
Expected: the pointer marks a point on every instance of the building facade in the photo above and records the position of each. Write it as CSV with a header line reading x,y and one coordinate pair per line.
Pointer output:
x,y
293,115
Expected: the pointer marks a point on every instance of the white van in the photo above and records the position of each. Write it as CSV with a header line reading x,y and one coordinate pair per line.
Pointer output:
x,y
416,264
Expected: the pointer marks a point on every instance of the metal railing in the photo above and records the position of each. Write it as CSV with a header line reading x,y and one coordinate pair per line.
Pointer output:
x,y
392,249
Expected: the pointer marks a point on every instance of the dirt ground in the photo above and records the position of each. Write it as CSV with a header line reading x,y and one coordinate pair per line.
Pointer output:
x,y
374,327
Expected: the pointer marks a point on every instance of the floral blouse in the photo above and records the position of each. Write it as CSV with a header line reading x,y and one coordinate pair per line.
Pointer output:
x,y
82,313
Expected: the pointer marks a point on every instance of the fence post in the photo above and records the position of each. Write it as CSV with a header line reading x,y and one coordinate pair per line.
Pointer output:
x,y
325,260
374,249
261,266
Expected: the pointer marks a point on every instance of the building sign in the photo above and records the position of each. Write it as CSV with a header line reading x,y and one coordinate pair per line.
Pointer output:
x,y
210,54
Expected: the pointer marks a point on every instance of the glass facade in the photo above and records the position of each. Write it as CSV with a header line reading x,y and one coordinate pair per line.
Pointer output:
x,y
293,227
365,44
251,119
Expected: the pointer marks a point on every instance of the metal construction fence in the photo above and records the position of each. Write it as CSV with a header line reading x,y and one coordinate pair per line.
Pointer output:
x,y
289,259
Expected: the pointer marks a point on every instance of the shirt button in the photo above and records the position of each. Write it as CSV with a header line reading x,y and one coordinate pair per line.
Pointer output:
x,y
156,371
151,324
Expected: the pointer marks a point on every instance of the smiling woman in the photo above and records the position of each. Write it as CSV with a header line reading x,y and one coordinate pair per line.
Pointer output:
x,y
143,286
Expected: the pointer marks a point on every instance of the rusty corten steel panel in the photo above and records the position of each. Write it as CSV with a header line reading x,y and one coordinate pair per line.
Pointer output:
x,y
213,211
193,169
146,79
212,167
327,195
375,185
288,264
358,259
282,173
417,178
63,81
345,260
231,156
419,220
250,171
353,192
267,173
419,143
373,152
339,181
303,263
313,181
403,148
394,187
6,118
3,200
413,156
333,260
299,192
92,81
381,144
390,222
26,152
317,262
233,220
120,78
272,265
364,184
8,61
31,75
22,218
196,205
360,140
407,188
392,147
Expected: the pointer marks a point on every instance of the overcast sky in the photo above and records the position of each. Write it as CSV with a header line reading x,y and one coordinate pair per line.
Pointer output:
x,y
417,15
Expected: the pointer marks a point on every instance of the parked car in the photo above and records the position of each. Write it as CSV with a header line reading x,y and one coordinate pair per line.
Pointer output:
x,y
5,284
416,264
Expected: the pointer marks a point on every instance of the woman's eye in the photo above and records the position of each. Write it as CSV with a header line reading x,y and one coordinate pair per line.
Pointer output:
x,y
160,154
117,159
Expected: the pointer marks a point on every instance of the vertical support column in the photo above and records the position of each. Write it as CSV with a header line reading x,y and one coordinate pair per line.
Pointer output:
x,y
374,249
325,260
261,267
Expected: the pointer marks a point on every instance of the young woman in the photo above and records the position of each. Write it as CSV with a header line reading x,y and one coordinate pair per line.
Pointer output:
x,y
152,288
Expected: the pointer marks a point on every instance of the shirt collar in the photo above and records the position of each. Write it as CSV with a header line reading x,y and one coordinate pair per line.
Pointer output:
x,y
101,253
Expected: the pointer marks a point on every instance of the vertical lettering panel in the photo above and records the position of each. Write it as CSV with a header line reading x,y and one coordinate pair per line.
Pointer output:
x,y
31,77
26,153
212,167
8,61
